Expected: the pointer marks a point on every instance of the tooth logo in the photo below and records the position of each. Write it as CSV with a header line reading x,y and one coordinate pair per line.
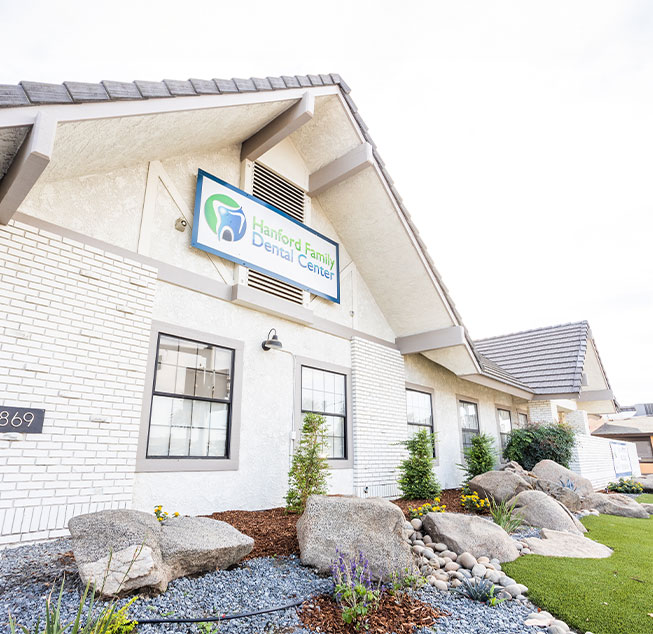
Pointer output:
x,y
232,224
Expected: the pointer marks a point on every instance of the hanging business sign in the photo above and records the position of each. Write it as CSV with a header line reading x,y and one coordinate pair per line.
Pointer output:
x,y
239,227
621,459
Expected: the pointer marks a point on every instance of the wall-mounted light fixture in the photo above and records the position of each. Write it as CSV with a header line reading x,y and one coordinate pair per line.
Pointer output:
x,y
181,224
272,342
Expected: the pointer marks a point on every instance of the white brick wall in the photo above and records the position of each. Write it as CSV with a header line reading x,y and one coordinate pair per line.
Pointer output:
x,y
542,412
592,458
74,331
379,410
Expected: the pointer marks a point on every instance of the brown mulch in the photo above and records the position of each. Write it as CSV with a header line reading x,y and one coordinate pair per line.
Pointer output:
x,y
450,497
401,614
273,530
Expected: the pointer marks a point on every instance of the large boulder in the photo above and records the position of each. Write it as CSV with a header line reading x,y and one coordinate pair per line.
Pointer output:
x,y
500,485
647,507
352,525
537,509
563,544
646,481
122,550
554,472
471,534
563,494
615,504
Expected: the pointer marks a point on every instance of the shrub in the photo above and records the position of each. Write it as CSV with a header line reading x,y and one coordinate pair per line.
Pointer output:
x,y
502,515
420,511
472,502
626,485
417,480
479,590
533,443
480,457
353,588
108,621
309,471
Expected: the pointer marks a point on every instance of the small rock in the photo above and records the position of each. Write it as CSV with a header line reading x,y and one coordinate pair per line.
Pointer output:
x,y
504,595
525,551
427,539
425,570
519,545
554,629
479,570
442,562
465,573
561,625
416,524
513,590
452,565
467,560
493,576
419,542
418,550
420,535
449,553
507,581
440,585
409,527
483,560
440,547
455,583
496,563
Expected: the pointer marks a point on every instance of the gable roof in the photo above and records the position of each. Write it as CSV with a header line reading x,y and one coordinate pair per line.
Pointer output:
x,y
549,360
627,426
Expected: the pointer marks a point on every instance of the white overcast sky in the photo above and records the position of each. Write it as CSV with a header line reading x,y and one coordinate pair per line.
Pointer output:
x,y
520,134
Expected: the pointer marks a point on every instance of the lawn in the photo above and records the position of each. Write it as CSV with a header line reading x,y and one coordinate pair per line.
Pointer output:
x,y
606,596
647,498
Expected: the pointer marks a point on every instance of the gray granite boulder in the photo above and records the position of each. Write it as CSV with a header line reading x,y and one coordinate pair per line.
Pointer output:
x,y
615,504
646,481
500,485
538,509
563,494
122,550
563,544
647,507
554,472
471,534
372,526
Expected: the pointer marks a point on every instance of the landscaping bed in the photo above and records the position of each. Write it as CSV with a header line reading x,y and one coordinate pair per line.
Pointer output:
x,y
449,497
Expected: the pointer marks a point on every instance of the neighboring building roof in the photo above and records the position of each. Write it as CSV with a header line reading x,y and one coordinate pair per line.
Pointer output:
x,y
548,360
627,426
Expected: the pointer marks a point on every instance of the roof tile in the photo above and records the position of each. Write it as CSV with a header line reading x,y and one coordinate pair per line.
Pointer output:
x,y
276,83
226,85
12,96
290,81
153,89
244,85
122,90
304,81
205,86
81,91
261,83
180,88
46,93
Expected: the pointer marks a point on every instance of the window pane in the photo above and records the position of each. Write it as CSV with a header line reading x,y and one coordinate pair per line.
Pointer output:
x,y
505,424
418,405
523,419
199,441
179,441
158,441
469,415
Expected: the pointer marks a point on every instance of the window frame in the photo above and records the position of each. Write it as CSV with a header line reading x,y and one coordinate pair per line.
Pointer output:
x,y
413,387
466,399
145,463
519,415
334,463
503,408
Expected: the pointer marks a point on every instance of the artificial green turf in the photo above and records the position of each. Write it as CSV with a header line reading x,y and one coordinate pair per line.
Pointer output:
x,y
645,498
604,596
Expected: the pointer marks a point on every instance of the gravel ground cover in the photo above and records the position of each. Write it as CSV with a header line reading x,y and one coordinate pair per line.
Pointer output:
x,y
29,573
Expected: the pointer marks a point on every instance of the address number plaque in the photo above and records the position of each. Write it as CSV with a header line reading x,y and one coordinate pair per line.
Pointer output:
x,y
25,420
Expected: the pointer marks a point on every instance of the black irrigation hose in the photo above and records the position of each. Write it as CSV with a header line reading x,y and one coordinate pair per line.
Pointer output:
x,y
224,617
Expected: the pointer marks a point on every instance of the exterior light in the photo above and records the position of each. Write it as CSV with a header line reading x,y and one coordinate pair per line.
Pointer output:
x,y
272,342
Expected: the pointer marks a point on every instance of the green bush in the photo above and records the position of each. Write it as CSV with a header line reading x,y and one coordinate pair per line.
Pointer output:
x,y
480,457
626,485
310,470
417,480
533,443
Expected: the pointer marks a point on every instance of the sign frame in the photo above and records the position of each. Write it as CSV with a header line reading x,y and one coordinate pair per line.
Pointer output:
x,y
201,174
616,457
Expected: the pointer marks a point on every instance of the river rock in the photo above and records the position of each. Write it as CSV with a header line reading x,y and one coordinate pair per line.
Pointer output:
x,y
123,550
538,509
469,533
562,544
499,485
554,472
615,504
351,525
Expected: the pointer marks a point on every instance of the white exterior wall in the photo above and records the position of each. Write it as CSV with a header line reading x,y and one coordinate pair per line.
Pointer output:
x,y
592,458
74,326
380,417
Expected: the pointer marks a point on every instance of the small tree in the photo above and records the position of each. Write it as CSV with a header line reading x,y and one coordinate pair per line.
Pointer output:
x,y
309,471
417,480
480,457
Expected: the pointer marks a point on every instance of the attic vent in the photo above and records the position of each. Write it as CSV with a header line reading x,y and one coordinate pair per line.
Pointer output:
x,y
273,286
278,192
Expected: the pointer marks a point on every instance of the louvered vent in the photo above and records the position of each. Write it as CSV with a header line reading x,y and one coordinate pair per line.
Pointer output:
x,y
268,284
282,194
278,192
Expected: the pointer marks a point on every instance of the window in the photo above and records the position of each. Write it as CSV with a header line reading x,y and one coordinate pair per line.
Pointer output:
x,y
324,393
469,421
191,402
419,412
523,419
505,425
644,450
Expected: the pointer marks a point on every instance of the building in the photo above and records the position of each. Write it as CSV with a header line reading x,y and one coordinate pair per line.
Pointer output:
x,y
132,367
638,430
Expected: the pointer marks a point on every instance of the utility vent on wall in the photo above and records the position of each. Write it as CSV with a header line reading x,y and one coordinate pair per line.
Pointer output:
x,y
278,192
282,194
